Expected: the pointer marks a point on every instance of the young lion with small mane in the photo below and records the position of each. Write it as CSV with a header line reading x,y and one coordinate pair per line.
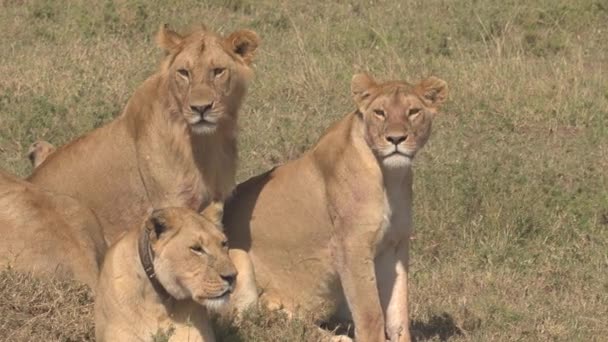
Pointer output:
x,y
175,142
329,232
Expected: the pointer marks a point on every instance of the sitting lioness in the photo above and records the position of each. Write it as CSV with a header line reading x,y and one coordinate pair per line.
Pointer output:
x,y
47,233
175,142
329,232
160,278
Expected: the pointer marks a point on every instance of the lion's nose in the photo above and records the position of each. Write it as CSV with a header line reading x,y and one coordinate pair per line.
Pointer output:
x,y
230,278
201,109
396,139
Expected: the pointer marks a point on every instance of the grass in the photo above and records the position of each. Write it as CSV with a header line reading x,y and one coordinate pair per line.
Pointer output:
x,y
511,191
44,309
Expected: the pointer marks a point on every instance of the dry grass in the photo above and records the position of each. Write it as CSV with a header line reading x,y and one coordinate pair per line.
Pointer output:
x,y
511,192
44,309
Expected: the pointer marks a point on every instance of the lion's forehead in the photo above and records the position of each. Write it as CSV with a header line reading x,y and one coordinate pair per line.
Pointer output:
x,y
394,88
202,40
212,243
203,52
397,102
203,234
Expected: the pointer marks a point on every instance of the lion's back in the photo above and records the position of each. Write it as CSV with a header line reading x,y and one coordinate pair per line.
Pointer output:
x,y
46,233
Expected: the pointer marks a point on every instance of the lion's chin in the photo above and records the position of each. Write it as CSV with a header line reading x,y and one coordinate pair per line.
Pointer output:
x,y
397,161
214,304
203,127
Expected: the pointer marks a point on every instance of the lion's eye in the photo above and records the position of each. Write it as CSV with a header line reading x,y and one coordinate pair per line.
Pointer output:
x,y
183,72
379,112
198,250
413,111
218,71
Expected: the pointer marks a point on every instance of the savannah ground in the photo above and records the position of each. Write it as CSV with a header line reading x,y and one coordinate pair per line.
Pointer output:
x,y
511,205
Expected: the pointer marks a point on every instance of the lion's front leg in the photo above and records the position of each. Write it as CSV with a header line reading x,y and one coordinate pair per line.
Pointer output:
x,y
245,292
354,263
392,272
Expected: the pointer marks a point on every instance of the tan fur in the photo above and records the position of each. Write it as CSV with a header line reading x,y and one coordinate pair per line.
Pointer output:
x,y
48,234
175,142
328,233
39,151
190,263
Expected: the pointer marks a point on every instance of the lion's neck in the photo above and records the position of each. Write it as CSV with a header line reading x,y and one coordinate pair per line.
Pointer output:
x,y
400,175
397,207
216,157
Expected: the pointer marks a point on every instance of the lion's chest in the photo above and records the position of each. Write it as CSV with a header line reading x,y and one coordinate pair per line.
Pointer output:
x,y
196,192
396,222
195,195
191,191
196,189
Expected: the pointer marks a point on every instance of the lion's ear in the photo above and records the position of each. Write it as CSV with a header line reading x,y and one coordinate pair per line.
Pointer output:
x,y
433,90
39,151
360,87
157,224
168,40
214,212
244,43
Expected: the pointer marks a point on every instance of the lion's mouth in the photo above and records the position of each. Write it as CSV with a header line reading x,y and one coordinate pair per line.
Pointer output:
x,y
214,303
204,124
396,152
205,121
225,293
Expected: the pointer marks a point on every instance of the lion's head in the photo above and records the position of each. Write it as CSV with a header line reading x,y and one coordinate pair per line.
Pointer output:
x,y
188,254
207,74
397,115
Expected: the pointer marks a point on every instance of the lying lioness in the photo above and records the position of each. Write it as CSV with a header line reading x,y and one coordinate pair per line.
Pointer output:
x,y
329,232
47,233
161,277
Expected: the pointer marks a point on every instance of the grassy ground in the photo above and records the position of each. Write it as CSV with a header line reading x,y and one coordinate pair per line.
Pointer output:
x,y
44,309
511,191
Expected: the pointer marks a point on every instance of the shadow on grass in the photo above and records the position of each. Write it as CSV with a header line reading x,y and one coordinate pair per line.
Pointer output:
x,y
270,326
442,326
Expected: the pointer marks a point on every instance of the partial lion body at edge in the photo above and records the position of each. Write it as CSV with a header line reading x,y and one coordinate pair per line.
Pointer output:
x,y
47,233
